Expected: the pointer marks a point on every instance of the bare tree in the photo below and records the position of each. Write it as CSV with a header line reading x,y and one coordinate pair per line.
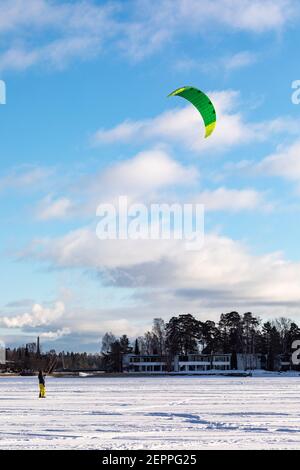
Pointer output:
x,y
107,340
159,335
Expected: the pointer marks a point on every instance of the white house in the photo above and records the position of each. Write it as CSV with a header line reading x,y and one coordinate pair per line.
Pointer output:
x,y
194,363
153,364
190,364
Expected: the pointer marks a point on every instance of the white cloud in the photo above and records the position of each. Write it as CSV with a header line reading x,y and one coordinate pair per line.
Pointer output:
x,y
54,209
38,13
223,270
83,28
249,15
147,176
25,177
77,31
184,126
58,53
82,248
232,200
153,27
255,15
239,60
147,171
139,178
117,325
18,58
284,163
39,316
54,335
227,63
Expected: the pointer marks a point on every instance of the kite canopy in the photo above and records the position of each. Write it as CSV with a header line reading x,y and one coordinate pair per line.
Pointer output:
x,y
202,102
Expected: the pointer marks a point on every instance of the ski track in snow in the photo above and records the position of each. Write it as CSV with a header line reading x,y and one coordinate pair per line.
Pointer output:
x,y
151,413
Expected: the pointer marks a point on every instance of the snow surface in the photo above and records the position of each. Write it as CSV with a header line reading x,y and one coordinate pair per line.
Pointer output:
x,y
151,413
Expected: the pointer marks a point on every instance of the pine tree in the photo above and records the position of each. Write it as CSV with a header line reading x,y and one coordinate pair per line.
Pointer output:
x,y
210,337
231,331
136,348
183,334
271,344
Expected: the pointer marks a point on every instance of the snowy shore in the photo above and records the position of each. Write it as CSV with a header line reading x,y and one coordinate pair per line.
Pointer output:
x,y
151,413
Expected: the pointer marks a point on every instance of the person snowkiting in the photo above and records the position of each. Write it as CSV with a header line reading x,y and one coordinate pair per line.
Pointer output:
x,y
41,378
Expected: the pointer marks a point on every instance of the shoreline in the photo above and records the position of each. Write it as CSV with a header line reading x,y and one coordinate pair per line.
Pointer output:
x,y
238,374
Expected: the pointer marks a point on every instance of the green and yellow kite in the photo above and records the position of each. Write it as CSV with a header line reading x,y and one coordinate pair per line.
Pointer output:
x,y
201,102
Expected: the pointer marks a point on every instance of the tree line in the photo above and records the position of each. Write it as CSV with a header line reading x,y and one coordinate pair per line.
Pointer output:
x,y
29,359
181,335
184,334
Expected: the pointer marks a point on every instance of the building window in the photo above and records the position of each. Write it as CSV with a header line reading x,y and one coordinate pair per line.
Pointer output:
x,y
222,359
183,358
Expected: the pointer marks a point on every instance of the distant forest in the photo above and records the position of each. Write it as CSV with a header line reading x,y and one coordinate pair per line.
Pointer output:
x,y
181,335
184,334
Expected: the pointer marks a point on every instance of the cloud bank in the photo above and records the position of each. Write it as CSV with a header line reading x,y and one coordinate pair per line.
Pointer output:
x,y
83,29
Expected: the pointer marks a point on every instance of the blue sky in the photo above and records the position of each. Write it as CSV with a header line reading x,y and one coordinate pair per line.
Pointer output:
x,y
87,120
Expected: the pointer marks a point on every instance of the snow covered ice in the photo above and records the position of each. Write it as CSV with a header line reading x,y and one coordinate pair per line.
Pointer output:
x,y
151,413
